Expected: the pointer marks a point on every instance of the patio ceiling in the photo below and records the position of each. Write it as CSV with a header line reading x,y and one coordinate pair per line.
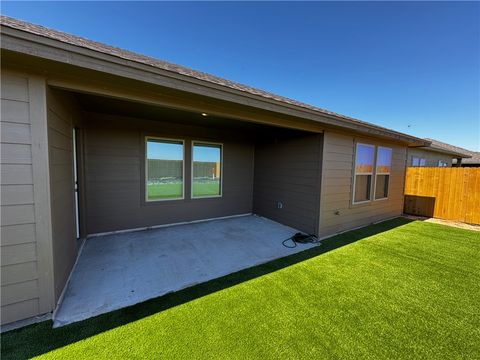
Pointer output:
x,y
119,107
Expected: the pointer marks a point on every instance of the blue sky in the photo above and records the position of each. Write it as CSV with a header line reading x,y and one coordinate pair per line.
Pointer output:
x,y
206,153
164,151
413,66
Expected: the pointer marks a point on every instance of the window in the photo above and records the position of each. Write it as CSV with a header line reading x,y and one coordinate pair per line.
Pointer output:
x,y
206,170
382,172
416,161
442,163
164,169
364,160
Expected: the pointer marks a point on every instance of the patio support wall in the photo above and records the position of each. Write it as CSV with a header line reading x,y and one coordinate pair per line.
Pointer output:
x,y
26,241
287,180
62,114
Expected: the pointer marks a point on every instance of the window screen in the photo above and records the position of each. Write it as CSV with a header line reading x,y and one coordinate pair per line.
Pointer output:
x,y
364,163
206,170
382,174
416,161
164,169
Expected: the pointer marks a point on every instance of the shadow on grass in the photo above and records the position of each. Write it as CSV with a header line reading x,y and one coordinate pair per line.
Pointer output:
x,y
40,338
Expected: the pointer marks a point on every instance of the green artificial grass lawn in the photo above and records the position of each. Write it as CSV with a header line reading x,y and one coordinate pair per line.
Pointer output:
x,y
164,191
211,188
395,290
174,190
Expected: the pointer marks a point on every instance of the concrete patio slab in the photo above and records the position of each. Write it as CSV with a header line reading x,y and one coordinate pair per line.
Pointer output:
x,y
123,269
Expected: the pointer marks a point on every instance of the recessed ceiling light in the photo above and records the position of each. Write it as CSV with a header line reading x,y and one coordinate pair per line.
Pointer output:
x,y
204,114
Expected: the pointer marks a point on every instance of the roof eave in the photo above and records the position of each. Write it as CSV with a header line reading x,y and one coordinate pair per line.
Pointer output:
x,y
11,35
448,152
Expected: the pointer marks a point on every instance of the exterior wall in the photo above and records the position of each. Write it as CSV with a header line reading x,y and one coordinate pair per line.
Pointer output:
x,y
431,157
337,183
288,171
26,273
115,174
62,114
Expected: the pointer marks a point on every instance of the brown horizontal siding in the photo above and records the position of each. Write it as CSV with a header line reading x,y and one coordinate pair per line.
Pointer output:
x,y
17,194
288,171
62,113
17,214
16,254
114,174
16,153
19,249
16,273
337,183
20,291
20,310
14,87
13,111
18,234
16,174
431,157
15,133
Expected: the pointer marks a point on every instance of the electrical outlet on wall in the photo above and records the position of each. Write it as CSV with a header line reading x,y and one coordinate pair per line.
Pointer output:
x,y
279,205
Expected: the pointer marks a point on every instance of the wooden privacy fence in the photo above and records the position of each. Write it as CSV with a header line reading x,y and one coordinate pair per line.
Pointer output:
x,y
444,193
162,169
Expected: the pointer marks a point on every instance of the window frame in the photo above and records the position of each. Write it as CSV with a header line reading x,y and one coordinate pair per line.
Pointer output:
x,y
442,163
147,138
382,173
355,173
413,161
419,161
200,142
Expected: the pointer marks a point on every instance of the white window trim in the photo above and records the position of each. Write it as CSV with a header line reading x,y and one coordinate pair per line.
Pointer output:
x,y
146,168
382,173
199,142
355,174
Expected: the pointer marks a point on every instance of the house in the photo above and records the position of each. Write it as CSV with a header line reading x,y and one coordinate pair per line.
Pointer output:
x,y
98,140
472,161
436,154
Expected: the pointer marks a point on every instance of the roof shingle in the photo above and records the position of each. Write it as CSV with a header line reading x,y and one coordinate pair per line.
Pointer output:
x,y
128,55
444,147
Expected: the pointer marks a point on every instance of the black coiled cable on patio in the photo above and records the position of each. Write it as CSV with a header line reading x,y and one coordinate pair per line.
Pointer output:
x,y
300,238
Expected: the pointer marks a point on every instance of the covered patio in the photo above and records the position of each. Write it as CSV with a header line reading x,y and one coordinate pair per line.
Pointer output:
x,y
122,269
149,227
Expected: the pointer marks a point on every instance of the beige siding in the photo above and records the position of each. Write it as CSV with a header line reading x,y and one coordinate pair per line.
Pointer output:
x,y
18,273
432,157
18,234
288,171
19,278
24,270
19,310
62,114
337,182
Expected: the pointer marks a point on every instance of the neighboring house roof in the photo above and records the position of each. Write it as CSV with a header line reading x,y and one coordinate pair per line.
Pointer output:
x,y
474,159
445,148
177,69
